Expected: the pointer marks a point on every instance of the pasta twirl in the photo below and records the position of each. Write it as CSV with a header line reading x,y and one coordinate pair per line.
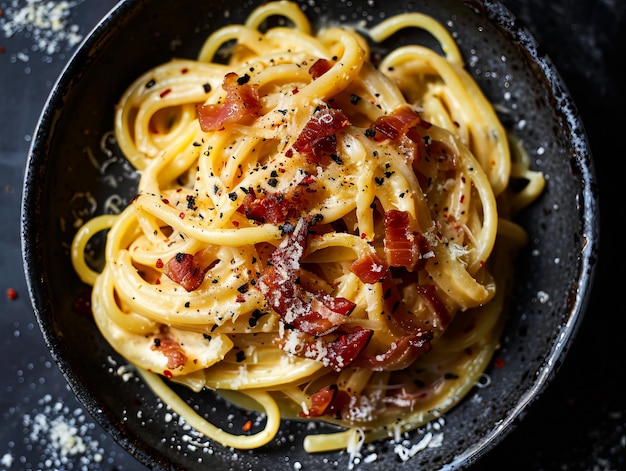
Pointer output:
x,y
313,236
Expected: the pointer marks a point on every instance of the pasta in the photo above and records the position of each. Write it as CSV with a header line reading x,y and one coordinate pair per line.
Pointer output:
x,y
313,236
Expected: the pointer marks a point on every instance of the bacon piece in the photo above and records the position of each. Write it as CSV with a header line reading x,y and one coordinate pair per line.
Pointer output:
x,y
319,68
313,313
403,246
276,208
343,351
269,207
169,346
400,354
369,268
321,401
318,137
329,400
404,127
185,270
413,335
241,104
430,293
395,124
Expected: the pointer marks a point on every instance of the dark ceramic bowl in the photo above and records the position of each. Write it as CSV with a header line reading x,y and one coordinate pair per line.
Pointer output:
x,y
62,181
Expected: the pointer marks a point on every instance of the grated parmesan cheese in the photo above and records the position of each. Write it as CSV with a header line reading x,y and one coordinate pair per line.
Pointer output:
x,y
46,23
64,434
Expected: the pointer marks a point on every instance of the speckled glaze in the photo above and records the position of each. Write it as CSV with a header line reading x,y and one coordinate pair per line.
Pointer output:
x,y
554,272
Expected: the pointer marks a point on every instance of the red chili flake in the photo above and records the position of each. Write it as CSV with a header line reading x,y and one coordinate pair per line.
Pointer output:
x,y
181,215
159,263
11,294
363,236
168,374
498,362
294,91
236,223
247,426
462,199
185,70
165,92
165,201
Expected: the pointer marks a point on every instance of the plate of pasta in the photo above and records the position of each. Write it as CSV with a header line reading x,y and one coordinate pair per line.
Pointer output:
x,y
292,234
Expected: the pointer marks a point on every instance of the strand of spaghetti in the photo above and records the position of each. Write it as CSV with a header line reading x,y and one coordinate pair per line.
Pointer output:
x,y
286,9
277,375
79,243
296,40
133,322
147,253
172,162
475,179
139,348
245,36
535,185
240,442
454,280
342,72
175,306
388,27
228,237
322,442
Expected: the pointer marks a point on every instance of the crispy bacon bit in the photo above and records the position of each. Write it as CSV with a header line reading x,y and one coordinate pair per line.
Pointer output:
x,y
318,137
185,270
413,334
240,105
395,124
276,208
312,313
400,354
267,207
319,68
405,128
169,346
430,293
321,401
343,351
369,268
403,246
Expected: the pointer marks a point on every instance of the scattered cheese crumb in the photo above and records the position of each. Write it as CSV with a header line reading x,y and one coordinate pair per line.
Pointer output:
x,y
46,23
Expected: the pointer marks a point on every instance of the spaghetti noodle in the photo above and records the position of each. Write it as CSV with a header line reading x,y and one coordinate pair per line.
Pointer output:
x,y
313,236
